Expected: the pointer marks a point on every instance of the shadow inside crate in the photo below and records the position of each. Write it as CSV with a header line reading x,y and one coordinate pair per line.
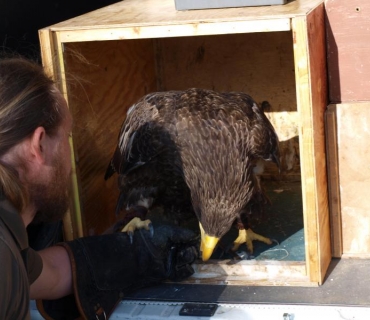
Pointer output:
x,y
283,222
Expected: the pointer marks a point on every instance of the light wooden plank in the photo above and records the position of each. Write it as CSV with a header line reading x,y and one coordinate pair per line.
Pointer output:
x,y
267,272
356,256
49,55
195,29
319,102
52,53
333,181
353,136
133,13
306,144
47,52
75,223
309,51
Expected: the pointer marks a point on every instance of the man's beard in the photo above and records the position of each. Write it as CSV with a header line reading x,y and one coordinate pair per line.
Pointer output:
x,y
51,200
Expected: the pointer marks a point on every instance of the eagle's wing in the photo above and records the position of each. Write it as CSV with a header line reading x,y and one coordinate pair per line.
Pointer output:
x,y
137,143
263,140
144,151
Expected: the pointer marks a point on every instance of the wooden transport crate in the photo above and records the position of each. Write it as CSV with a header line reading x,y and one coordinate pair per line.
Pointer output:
x,y
105,60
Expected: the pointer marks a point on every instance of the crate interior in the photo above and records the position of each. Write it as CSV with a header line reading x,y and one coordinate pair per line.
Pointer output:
x,y
106,77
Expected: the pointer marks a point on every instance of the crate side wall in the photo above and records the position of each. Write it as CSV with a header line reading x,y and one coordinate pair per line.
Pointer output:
x,y
354,176
319,94
104,79
312,100
348,43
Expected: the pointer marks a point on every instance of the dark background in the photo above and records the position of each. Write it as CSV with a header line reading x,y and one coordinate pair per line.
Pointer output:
x,y
20,21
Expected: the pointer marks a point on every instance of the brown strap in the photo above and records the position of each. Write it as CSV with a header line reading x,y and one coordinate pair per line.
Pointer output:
x,y
40,308
74,280
100,314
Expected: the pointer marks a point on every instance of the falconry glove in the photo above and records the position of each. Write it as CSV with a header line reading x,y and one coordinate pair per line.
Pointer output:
x,y
107,267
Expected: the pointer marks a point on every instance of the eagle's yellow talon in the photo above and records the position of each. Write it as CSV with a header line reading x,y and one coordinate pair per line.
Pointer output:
x,y
137,223
247,236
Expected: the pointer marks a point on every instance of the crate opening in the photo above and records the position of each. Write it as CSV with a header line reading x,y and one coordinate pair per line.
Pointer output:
x,y
115,74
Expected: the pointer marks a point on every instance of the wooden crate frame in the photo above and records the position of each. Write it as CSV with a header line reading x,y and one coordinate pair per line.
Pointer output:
x,y
158,19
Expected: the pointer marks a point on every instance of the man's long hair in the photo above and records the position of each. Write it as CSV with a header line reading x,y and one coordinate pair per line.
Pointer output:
x,y
28,99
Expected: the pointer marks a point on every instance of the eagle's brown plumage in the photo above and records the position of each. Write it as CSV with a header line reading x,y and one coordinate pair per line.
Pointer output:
x,y
194,151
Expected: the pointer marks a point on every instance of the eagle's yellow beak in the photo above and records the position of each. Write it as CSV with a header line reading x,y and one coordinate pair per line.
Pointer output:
x,y
207,244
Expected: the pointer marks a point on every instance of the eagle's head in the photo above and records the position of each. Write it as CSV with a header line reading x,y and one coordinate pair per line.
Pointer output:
x,y
213,225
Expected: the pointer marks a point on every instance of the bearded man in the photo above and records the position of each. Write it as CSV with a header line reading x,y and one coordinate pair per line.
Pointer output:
x,y
35,166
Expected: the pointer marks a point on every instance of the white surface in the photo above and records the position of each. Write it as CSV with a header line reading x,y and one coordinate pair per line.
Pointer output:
x,y
35,315
144,310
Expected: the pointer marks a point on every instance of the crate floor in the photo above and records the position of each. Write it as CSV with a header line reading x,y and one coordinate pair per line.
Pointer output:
x,y
347,283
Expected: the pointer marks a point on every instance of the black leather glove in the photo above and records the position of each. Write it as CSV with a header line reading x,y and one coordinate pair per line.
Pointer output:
x,y
107,267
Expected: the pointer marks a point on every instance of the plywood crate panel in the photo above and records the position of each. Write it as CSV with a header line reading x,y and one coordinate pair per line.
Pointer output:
x,y
348,143
348,40
106,60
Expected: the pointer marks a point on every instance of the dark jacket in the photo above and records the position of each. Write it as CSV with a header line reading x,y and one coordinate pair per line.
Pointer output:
x,y
20,265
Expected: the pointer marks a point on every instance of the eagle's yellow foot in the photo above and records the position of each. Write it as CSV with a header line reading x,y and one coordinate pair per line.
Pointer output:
x,y
137,223
247,236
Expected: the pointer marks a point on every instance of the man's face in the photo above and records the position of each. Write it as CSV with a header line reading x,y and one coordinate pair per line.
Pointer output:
x,y
52,199
51,195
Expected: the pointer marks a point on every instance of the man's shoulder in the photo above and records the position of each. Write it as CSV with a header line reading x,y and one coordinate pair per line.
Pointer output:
x,y
14,297
7,246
